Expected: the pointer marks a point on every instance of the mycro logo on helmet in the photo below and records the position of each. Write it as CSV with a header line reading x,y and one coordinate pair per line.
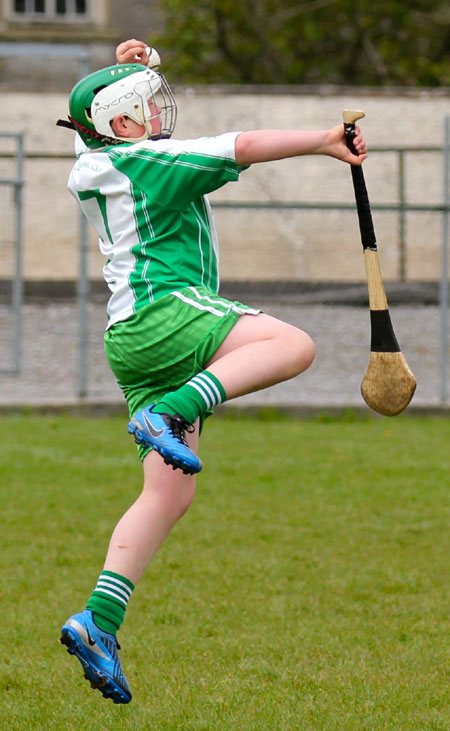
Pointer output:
x,y
114,103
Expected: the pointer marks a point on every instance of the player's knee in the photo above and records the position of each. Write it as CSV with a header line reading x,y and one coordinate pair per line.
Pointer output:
x,y
185,499
301,350
308,351
171,489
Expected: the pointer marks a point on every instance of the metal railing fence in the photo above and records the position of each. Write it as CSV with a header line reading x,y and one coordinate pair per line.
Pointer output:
x,y
402,207
11,259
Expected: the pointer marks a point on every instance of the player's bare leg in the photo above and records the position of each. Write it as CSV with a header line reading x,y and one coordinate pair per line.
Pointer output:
x,y
165,497
91,634
258,352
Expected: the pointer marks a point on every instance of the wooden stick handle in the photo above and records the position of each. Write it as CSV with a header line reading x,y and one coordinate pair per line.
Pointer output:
x,y
377,294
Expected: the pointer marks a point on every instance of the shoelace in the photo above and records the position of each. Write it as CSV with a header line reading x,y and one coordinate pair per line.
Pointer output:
x,y
112,646
178,426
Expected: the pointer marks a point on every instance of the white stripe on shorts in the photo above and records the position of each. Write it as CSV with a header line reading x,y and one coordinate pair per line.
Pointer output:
x,y
226,303
198,305
218,302
214,303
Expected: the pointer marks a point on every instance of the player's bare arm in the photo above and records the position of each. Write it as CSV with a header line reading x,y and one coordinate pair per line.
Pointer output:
x,y
266,145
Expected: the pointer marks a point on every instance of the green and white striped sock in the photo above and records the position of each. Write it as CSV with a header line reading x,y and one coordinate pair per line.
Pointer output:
x,y
204,391
109,600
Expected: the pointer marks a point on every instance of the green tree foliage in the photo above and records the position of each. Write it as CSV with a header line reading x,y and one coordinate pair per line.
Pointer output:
x,y
364,42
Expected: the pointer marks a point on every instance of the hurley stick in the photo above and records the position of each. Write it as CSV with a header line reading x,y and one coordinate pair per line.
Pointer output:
x,y
388,384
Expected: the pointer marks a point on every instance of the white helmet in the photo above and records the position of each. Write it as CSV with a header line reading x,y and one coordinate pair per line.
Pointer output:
x,y
129,89
143,96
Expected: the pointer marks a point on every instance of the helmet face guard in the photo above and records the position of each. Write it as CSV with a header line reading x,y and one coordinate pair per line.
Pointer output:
x,y
131,90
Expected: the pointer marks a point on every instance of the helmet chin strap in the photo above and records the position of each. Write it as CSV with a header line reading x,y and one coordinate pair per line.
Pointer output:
x,y
145,136
148,135
140,119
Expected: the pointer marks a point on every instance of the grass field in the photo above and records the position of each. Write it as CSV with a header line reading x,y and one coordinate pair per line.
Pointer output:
x,y
307,587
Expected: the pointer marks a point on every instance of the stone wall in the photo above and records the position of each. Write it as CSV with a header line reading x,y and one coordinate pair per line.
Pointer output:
x,y
277,244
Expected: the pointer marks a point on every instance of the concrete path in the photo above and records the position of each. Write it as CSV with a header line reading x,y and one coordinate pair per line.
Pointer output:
x,y
51,356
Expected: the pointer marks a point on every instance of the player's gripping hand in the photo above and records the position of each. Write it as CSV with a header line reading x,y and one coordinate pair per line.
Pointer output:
x,y
336,146
132,51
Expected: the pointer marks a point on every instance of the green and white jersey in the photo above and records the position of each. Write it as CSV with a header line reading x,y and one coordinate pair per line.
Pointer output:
x,y
147,202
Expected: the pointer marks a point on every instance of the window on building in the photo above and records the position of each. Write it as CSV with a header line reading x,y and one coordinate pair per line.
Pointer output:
x,y
52,10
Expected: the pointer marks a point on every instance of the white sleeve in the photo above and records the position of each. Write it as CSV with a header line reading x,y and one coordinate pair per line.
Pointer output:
x,y
79,145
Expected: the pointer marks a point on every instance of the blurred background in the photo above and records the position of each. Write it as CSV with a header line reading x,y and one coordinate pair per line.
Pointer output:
x,y
288,230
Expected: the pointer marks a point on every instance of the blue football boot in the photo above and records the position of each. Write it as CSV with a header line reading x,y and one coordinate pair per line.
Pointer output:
x,y
166,433
97,652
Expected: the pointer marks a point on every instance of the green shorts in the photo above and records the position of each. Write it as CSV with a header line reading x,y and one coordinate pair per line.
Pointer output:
x,y
163,345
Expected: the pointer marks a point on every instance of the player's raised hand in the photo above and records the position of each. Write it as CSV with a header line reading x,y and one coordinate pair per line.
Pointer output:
x,y
336,146
132,50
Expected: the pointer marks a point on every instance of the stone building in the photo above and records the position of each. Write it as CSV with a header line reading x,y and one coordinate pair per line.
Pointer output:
x,y
52,42
46,45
